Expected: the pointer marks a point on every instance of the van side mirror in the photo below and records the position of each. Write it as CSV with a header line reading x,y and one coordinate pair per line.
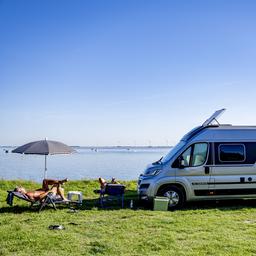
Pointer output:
x,y
181,163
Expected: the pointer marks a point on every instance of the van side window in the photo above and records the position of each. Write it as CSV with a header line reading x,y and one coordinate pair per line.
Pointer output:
x,y
186,156
199,154
232,153
195,155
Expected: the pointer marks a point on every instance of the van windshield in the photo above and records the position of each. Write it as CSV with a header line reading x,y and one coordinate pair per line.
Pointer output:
x,y
173,151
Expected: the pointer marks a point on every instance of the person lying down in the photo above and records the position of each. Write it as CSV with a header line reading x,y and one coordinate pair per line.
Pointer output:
x,y
48,185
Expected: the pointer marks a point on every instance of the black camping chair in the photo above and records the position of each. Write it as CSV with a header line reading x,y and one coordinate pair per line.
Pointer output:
x,y
112,191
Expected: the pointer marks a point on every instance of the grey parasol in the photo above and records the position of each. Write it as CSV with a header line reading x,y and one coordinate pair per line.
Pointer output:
x,y
44,147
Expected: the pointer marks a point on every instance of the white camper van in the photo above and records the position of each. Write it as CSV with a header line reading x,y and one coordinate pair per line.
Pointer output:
x,y
212,161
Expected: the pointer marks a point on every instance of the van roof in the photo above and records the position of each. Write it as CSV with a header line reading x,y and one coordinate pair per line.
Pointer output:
x,y
233,127
222,133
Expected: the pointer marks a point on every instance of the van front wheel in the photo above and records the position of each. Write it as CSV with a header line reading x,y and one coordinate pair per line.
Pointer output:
x,y
175,195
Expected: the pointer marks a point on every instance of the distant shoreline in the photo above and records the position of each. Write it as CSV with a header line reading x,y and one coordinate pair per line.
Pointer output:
x,y
106,147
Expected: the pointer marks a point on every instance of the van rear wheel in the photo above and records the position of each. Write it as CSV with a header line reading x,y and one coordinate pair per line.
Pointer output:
x,y
176,196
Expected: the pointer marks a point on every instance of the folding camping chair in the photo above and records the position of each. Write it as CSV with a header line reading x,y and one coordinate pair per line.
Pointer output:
x,y
112,190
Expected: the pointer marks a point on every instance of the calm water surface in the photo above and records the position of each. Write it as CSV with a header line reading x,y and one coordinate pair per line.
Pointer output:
x,y
121,163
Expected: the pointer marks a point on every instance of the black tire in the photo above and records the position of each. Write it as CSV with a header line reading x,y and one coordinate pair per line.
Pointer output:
x,y
176,196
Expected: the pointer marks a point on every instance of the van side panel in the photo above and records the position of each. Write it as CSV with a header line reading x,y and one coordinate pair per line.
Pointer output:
x,y
234,178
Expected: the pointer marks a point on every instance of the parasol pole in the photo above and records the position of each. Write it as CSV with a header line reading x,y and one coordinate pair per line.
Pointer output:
x,y
45,162
45,166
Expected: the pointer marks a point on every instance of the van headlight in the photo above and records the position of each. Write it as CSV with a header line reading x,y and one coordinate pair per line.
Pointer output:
x,y
152,172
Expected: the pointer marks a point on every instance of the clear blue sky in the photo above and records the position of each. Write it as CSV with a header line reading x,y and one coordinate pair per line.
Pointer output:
x,y
123,72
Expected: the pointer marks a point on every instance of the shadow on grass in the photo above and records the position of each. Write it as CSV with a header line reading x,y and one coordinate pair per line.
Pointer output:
x,y
223,205
18,209
113,203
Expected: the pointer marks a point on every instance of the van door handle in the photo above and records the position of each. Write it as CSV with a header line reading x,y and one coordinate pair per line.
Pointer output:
x,y
206,169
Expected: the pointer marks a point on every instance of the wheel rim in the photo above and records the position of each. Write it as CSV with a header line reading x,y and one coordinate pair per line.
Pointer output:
x,y
173,197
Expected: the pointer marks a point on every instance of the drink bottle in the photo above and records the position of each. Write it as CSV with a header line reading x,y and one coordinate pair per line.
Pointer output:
x,y
131,204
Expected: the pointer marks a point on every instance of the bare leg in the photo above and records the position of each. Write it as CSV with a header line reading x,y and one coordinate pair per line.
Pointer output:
x,y
102,183
60,191
43,195
47,182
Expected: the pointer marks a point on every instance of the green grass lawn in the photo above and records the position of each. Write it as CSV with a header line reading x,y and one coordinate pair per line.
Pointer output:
x,y
226,228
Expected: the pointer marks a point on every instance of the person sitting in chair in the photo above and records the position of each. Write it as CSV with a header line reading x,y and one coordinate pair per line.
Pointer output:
x,y
103,183
40,193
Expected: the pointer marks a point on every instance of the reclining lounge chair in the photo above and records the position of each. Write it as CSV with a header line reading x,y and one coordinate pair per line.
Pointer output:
x,y
50,199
